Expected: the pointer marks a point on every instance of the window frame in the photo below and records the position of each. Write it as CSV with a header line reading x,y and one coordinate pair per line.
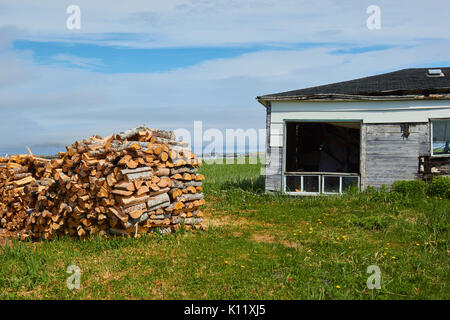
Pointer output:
x,y
302,188
331,176
431,138
321,176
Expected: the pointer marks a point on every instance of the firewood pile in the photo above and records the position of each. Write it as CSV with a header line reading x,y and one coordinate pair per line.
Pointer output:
x,y
138,181
17,174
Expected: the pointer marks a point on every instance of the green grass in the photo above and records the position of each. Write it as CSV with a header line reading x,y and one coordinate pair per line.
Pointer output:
x,y
258,246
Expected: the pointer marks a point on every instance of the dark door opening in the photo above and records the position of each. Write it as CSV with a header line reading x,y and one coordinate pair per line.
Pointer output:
x,y
322,147
322,157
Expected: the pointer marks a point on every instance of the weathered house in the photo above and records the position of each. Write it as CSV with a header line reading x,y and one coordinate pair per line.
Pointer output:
x,y
364,132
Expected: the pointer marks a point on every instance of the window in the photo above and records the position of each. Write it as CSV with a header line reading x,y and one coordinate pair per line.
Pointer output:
x,y
313,184
331,184
294,184
339,183
303,183
350,182
440,134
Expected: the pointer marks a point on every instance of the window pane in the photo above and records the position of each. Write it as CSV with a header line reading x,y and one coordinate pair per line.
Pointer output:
x,y
310,183
441,136
293,183
331,184
349,182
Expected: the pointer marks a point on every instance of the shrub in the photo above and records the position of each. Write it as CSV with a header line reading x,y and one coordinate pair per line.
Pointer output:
x,y
410,188
381,195
439,187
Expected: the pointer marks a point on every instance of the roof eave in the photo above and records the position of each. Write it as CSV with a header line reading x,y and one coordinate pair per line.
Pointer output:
x,y
340,97
264,102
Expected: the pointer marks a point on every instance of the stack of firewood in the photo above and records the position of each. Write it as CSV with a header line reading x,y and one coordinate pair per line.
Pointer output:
x,y
18,176
139,181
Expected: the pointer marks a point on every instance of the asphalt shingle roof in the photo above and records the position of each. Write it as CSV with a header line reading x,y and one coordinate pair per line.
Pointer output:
x,y
398,83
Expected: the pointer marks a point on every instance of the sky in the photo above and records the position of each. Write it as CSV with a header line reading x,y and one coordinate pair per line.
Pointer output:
x,y
168,63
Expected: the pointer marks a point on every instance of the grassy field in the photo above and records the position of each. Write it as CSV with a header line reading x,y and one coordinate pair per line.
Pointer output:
x,y
257,246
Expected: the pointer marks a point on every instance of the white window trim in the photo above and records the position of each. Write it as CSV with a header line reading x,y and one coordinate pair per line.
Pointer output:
x,y
321,177
323,184
431,138
302,186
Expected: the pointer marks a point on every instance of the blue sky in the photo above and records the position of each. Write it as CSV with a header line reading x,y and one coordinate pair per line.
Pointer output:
x,y
170,63
116,59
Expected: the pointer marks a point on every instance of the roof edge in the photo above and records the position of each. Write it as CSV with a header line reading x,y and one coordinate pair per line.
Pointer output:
x,y
342,97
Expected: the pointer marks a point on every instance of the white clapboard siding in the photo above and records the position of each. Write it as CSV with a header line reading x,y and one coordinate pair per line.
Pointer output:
x,y
368,112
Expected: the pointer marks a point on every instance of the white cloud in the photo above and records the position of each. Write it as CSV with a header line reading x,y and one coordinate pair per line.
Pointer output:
x,y
77,61
14,67
229,22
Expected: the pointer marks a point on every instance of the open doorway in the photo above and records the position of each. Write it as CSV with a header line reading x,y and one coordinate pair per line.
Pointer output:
x,y
322,157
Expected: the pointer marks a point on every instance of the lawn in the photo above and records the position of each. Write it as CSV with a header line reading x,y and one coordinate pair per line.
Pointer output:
x,y
257,246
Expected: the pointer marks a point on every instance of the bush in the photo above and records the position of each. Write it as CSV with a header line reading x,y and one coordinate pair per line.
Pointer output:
x,y
410,188
439,187
382,195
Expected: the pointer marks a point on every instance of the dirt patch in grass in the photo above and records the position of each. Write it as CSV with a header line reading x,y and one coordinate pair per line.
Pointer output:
x,y
266,238
213,219
225,220
259,237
